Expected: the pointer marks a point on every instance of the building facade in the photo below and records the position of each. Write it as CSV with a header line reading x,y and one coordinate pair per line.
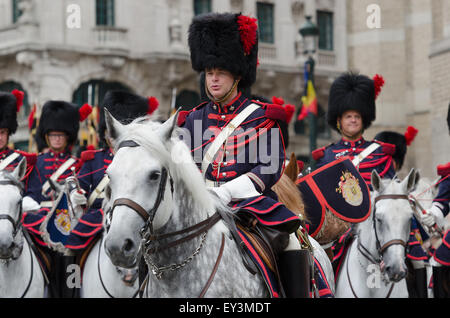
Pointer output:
x,y
410,48
77,49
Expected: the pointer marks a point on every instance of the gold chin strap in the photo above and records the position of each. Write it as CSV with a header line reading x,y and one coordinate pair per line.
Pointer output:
x,y
223,98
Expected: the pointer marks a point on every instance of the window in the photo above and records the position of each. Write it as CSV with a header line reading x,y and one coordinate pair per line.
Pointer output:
x,y
16,13
202,6
265,22
104,12
325,24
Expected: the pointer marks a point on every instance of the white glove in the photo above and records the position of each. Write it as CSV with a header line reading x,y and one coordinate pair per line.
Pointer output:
x,y
29,204
223,194
237,189
78,199
432,216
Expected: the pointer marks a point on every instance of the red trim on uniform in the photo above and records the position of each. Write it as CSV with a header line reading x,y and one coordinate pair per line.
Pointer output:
x,y
219,117
318,153
258,259
266,211
443,170
77,247
87,234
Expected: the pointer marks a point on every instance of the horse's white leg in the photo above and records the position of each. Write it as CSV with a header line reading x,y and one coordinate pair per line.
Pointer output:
x,y
92,285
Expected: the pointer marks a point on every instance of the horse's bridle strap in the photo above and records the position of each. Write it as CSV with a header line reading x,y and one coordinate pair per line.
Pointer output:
x,y
390,243
383,248
392,197
133,205
202,228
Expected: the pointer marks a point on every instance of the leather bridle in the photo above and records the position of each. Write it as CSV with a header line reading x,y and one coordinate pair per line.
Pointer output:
x,y
147,232
17,224
380,248
147,216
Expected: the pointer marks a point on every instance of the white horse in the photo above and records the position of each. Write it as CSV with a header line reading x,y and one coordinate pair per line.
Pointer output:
x,y
20,274
374,266
163,211
100,278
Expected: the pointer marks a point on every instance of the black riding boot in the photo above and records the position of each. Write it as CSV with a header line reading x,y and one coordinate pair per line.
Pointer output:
x,y
295,271
440,282
421,282
70,279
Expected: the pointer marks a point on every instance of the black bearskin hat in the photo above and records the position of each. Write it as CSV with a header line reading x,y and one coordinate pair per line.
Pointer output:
x,y
400,141
60,116
225,40
353,92
10,104
125,107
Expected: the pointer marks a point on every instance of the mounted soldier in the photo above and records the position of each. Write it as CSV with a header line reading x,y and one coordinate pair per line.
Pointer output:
x,y
58,126
351,110
222,134
10,104
125,107
417,283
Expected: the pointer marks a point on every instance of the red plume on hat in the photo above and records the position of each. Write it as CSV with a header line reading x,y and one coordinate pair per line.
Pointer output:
x,y
153,104
85,111
248,30
288,108
410,134
19,97
378,83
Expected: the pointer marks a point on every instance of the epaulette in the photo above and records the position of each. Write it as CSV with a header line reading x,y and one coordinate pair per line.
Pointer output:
x,y
30,157
443,170
276,112
88,155
387,148
182,115
318,153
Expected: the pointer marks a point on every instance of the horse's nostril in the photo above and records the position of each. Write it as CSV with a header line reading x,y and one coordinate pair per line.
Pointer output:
x,y
128,245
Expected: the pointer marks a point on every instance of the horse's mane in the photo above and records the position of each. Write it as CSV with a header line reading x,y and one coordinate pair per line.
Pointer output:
x,y
290,196
175,156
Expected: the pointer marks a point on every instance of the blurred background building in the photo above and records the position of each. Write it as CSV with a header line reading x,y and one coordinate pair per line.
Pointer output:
x,y
78,49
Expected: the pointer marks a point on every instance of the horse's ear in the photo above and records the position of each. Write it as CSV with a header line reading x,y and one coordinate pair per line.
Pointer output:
x,y
20,170
168,126
113,126
292,170
375,180
411,180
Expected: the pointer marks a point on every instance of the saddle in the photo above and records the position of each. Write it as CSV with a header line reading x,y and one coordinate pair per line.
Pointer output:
x,y
258,247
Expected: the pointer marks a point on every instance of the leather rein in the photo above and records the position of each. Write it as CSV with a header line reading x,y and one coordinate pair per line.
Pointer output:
x,y
380,248
148,236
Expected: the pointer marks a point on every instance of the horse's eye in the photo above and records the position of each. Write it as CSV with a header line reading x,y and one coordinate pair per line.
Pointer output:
x,y
155,175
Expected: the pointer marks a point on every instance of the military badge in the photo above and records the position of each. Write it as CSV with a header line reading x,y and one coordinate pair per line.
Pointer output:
x,y
350,189
332,206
